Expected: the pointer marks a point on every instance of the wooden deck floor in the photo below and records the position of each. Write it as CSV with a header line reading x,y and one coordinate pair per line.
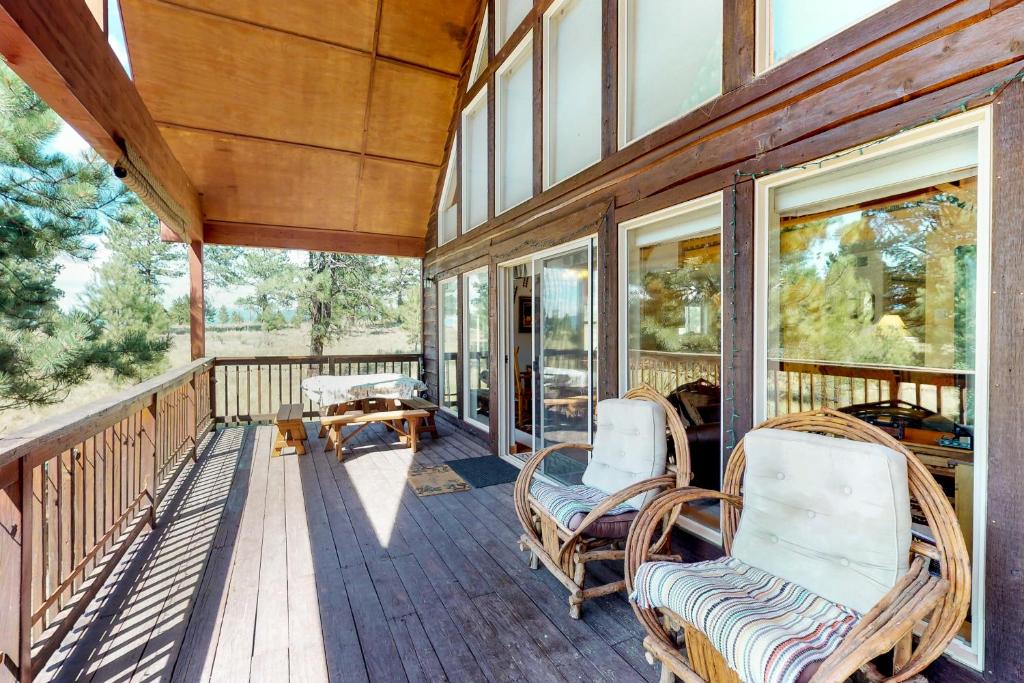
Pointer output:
x,y
303,569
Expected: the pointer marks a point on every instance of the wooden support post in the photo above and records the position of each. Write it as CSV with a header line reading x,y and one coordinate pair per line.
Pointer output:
x,y
213,393
10,578
197,304
149,455
25,598
192,414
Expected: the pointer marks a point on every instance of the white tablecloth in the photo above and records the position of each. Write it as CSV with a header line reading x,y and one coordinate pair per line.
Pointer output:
x,y
327,390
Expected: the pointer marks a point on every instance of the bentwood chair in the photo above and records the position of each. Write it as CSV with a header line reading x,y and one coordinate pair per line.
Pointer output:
x,y
822,574
565,527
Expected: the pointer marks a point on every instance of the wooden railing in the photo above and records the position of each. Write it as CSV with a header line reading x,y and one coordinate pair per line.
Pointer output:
x,y
796,386
75,492
665,370
251,389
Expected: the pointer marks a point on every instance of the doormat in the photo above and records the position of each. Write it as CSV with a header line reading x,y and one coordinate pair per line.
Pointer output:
x,y
434,479
487,470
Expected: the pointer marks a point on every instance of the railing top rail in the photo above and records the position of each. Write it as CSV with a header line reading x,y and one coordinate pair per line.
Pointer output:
x,y
361,358
57,433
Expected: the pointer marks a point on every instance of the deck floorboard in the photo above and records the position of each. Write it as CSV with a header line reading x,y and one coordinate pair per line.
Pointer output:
x,y
302,568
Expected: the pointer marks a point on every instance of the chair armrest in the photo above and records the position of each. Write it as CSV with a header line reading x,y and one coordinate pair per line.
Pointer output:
x,y
916,595
521,492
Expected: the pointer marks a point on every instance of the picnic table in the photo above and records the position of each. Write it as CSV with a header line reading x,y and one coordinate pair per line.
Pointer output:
x,y
328,391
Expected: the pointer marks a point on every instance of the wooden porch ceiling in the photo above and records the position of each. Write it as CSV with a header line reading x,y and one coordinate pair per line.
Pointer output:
x,y
324,116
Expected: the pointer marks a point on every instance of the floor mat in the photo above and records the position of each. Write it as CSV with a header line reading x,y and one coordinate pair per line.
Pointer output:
x,y
486,470
434,479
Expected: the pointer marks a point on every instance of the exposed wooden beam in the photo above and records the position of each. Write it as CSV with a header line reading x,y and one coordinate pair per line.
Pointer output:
x,y
197,300
58,48
311,239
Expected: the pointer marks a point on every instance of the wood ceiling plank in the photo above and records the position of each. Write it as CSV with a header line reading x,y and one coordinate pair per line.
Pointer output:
x,y
349,23
245,180
409,113
290,237
203,71
60,51
429,32
395,198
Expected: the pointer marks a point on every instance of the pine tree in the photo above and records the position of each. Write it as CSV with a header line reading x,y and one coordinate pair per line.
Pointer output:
x,y
50,206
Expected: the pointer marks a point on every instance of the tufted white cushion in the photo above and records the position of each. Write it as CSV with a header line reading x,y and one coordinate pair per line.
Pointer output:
x,y
629,446
831,515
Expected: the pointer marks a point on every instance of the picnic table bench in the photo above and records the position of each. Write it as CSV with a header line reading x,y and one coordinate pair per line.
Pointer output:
x,y
290,429
406,423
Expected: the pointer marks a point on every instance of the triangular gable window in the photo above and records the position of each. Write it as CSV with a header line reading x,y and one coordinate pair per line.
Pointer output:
x,y
480,55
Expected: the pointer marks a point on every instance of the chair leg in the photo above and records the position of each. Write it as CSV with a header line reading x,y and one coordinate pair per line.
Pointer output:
x,y
534,561
579,577
666,675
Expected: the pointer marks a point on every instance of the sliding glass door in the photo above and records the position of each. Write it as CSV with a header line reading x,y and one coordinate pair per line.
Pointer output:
x,y
549,322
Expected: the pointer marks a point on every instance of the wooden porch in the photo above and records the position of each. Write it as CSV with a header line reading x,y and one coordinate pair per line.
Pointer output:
x,y
305,569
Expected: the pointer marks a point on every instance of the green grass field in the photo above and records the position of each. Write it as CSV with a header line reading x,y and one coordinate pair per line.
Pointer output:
x,y
289,341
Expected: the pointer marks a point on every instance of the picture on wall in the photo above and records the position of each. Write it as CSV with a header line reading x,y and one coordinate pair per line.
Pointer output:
x,y
525,313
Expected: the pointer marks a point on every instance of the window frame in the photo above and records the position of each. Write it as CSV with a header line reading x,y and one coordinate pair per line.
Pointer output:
x,y
623,72
441,387
522,53
980,119
763,36
707,533
464,379
480,56
503,33
547,174
478,102
448,192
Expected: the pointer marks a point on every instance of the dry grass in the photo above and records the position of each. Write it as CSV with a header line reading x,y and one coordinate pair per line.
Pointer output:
x,y
291,341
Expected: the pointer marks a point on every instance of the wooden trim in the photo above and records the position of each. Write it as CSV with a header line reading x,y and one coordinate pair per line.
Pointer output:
x,y
1004,564
824,88
609,78
197,301
61,52
607,270
460,359
737,314
538,104
311,239
738,42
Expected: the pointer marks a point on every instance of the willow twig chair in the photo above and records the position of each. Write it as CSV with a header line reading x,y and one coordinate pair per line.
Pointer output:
x,y
566,547
770,514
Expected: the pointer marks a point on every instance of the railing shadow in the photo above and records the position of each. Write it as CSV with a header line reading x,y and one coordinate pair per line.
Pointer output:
x,y
138,623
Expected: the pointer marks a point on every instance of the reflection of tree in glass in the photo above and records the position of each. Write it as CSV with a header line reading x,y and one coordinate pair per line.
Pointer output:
x,y
668,291
887,282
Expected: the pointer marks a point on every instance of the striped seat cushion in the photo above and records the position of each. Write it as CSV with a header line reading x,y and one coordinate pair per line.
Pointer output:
x,y
565,502
768,629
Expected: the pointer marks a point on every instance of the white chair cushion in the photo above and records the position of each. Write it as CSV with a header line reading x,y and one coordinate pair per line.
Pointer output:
x,y
629,446
831,515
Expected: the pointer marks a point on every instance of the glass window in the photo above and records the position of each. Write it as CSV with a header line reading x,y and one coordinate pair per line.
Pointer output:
x,y
515,128
672,284
873,299
791,26
572,86
474,162
671,61
480,54
509,15
477,306
447,216
448,343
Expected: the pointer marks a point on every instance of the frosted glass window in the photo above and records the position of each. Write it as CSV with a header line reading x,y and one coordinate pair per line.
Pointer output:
x,y
671,61
474,162
447,215
448,343
509,15
515,128
792,26
480,54
572,85
477,364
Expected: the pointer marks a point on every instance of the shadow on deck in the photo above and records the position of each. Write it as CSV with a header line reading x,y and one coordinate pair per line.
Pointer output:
x,y
305,569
